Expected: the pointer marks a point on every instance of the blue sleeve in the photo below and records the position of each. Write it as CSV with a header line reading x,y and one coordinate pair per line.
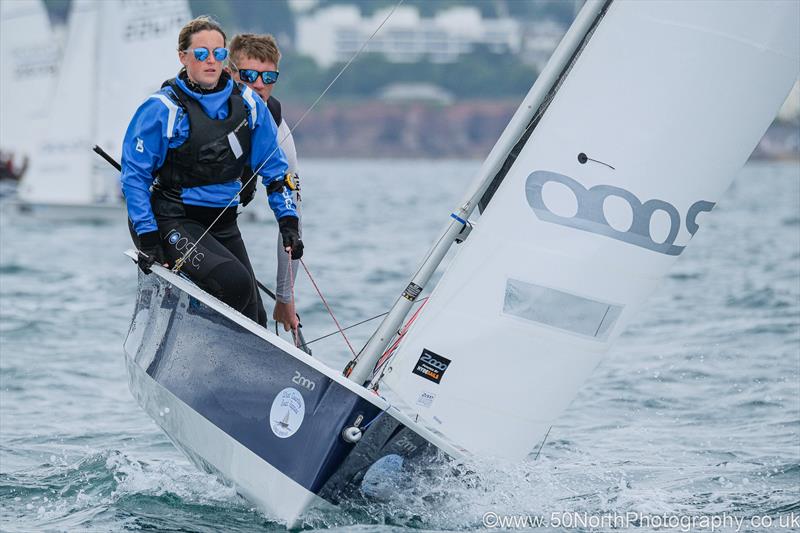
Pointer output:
x,y
143,152
266,150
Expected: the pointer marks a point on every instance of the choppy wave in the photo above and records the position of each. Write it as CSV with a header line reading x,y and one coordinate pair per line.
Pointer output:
x,y
696,410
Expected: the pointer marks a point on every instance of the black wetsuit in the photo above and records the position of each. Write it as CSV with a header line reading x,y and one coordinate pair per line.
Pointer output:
x,y
219,263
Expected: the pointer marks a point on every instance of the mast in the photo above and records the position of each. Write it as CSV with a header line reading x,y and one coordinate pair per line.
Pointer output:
x,y
491,172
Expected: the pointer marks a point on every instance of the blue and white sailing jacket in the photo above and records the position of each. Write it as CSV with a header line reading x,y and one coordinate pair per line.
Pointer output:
x,y
161,124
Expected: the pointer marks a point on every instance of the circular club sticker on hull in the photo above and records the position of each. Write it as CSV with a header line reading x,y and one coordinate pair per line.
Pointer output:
x,y
287,413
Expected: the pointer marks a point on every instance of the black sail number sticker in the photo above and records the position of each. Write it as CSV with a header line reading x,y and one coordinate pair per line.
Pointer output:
x,y
431,366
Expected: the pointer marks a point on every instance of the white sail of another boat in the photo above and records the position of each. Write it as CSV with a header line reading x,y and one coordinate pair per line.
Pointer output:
x,y
639,136
116,54
29,55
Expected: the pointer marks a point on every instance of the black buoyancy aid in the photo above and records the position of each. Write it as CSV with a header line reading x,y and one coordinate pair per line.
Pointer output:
x,y
209,155
249,182
274,107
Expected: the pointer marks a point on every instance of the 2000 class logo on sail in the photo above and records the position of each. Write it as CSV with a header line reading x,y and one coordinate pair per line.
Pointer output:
x,y
590,216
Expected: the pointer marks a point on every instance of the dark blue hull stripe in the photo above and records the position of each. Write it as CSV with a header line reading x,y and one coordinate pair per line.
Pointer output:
x,y
232,378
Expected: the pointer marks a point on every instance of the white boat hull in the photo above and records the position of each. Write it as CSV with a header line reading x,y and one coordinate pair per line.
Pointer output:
x,y
67,212
215,452
243,403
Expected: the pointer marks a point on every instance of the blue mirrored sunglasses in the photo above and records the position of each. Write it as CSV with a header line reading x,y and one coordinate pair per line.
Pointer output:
x,y
250,76
201,54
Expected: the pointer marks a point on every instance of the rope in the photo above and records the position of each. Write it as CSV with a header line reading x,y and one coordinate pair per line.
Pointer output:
x,y
348,327
354,361
295,336
359,323
328,307
400,334
542,444
179,263
368,424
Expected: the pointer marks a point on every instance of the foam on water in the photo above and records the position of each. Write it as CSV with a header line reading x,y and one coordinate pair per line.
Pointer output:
x,y
696,411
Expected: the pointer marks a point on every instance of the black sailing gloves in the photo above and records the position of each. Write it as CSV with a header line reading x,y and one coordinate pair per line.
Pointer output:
x,y
290,232
151,251
248,191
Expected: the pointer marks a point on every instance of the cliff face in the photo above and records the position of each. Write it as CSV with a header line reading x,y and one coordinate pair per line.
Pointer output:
x,y
415,129
377,129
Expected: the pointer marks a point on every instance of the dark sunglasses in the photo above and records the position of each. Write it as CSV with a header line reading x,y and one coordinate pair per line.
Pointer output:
x,y
250,76
201,54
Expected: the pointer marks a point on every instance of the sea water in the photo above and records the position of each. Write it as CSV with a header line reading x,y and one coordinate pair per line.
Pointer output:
x,y
695,413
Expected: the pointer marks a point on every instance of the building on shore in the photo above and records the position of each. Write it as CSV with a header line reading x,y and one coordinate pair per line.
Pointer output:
x,y
334,34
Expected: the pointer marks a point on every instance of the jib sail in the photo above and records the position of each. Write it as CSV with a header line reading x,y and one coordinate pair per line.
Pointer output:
x,y
646,130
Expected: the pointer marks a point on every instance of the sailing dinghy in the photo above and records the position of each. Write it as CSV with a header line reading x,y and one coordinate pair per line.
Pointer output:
x,y
634,129
116,54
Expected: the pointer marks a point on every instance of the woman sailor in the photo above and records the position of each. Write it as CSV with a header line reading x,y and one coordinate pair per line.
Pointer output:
x,y
182,161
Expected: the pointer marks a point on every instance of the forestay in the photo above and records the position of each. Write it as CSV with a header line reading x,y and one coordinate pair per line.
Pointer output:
x,y
665,103
116,54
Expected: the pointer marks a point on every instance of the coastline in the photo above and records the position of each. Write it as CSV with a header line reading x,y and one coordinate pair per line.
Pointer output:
x,y
377,129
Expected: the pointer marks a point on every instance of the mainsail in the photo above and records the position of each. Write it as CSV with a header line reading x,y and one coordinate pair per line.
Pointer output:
x,y
656,111
29,57
116,53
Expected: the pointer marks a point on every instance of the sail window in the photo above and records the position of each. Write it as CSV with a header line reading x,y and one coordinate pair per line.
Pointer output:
x,y
559,309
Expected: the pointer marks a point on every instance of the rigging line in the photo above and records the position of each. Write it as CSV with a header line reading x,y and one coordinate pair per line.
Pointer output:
x,y
328,307
542,444
354,361
348,327
179,262
291,291
359,323
368,424
600,325
382,364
